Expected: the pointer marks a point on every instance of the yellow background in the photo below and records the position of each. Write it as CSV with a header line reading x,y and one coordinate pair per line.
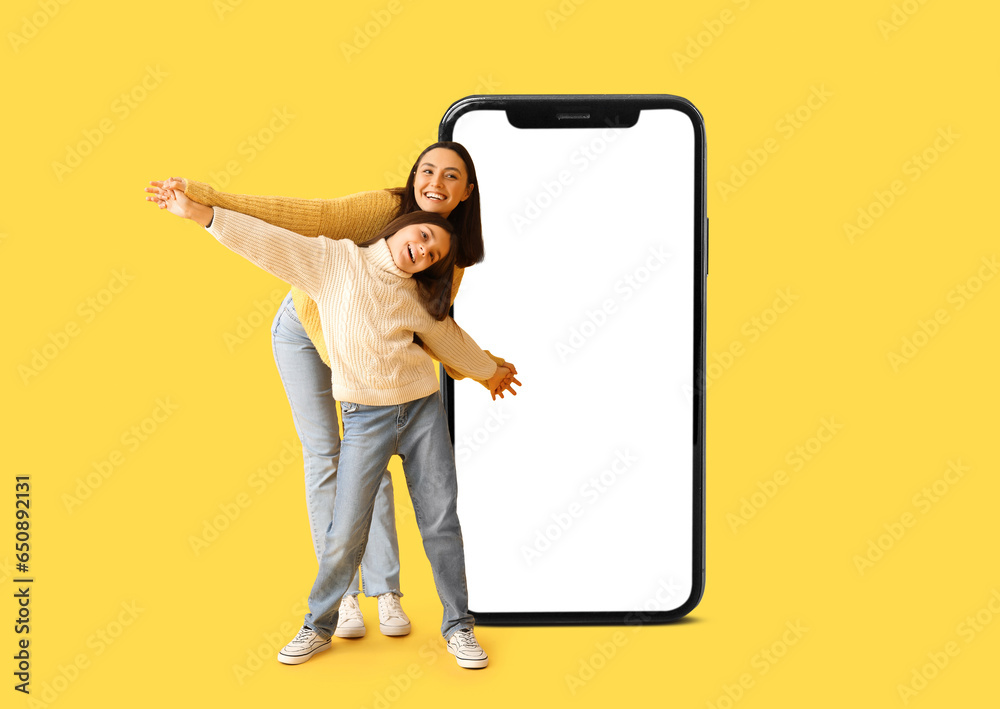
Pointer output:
x,y
182,622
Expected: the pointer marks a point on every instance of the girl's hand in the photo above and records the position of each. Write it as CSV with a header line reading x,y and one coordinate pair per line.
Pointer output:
x,y
160,189
502,379
176,202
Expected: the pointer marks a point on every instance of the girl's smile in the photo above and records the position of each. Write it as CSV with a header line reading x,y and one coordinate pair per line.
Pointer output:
x,y
417,247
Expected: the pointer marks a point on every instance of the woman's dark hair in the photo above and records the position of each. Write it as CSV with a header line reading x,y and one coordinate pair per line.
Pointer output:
x,y
433,283
468,226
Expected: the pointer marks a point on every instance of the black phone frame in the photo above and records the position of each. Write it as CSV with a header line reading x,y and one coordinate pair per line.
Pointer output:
x,y
600,111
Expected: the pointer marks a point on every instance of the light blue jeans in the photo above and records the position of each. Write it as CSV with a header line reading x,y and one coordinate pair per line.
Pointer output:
x,y
307,384
418,432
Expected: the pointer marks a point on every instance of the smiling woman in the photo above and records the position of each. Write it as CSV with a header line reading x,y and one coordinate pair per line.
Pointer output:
x,y
443,180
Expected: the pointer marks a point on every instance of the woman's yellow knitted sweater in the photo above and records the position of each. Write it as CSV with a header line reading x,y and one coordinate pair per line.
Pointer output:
x,y
358,217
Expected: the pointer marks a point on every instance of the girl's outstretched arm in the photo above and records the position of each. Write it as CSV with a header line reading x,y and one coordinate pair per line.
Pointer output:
x,y
460,352
293,258
303,262
357,217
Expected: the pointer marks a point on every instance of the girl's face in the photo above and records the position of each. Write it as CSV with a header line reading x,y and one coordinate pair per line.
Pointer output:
x,y
441,182
417,247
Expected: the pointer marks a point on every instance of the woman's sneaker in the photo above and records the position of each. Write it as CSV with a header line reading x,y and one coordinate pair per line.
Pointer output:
x,y
303,646
462,644
391,618
350,622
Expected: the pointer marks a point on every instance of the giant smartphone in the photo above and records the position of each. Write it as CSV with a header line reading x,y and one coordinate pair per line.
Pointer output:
x,y
582,498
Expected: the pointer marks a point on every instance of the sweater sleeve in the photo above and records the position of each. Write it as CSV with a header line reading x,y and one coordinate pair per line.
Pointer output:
x,y
458,350
293,258
453,373
357,217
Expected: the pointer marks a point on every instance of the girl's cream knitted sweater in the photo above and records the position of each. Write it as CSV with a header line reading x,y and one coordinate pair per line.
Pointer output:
x,y
369,310
357,217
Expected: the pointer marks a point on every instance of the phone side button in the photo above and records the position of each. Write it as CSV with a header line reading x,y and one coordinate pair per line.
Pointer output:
x,y
706,246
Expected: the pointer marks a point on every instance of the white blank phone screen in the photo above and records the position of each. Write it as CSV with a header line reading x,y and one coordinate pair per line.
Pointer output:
x,y
576,495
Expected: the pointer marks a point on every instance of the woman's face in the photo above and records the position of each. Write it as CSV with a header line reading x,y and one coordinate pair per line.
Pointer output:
x,y
441,181
417,247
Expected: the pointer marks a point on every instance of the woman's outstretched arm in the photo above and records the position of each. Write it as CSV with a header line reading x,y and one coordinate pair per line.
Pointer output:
x,y
357,217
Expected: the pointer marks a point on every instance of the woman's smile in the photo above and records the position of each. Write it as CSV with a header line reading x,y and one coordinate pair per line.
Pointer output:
x,y
440,182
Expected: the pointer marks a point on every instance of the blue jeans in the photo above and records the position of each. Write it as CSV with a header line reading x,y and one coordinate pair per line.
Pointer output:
x,y
418,432
307,384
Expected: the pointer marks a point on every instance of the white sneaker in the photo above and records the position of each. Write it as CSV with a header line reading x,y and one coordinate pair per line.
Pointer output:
x,y
350,622
462,644
303,646
391,618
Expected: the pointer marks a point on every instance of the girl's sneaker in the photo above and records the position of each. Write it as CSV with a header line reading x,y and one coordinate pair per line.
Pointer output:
x,y
462,644
350,622
391,618
303,646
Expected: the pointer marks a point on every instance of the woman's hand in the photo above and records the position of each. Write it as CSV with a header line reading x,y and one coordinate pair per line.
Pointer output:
x,y
160,189
176,202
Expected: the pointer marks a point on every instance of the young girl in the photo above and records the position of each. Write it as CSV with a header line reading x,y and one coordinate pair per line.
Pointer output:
x,y
442,180
371,302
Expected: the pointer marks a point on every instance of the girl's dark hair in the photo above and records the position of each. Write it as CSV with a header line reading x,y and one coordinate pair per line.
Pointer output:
x,y
468,226
433,283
